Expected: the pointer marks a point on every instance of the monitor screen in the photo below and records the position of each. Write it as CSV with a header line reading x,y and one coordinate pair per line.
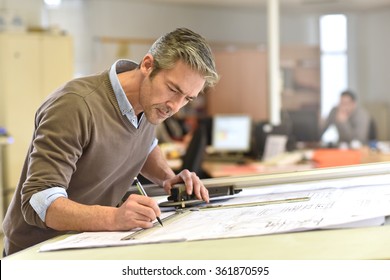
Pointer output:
x,y
231,133
304,125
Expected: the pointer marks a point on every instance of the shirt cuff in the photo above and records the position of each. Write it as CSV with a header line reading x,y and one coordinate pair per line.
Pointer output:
x,y
40,201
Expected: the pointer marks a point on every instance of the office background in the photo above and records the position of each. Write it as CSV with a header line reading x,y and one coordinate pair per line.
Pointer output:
x,y
368,43
89,21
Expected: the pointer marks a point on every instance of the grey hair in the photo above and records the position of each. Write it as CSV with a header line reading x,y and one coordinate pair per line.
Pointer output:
x,y
189,47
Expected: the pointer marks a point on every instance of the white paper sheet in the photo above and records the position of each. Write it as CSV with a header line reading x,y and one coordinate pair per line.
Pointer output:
x,y
335,203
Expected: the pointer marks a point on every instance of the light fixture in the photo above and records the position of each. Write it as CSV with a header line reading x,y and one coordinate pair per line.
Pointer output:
x,y
52,3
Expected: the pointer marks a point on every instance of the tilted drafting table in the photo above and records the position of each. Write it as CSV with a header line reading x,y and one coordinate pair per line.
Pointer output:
x,y
336,244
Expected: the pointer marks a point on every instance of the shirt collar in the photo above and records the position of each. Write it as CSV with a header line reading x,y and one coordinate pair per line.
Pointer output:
x,y
125,107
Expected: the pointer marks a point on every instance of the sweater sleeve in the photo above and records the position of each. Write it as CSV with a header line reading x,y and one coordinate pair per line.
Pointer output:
x,y
62,129
360,122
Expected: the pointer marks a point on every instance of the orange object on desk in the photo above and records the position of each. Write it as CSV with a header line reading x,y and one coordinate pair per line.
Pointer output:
x,y
336,157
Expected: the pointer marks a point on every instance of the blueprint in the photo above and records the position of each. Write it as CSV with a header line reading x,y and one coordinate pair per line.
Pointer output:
x,y
341,203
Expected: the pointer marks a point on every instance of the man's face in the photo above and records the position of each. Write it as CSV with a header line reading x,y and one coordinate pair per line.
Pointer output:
x,y
169,91
347,104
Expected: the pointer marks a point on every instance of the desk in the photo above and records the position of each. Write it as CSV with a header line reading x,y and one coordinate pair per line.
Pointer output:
x,y
352,244
223,169
370,156
334,244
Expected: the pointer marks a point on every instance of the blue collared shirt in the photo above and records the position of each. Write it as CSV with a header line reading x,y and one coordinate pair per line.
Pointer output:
x,y
124,104
42,200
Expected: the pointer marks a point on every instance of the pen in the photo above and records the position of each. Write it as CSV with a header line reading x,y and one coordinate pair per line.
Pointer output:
x,y
142,191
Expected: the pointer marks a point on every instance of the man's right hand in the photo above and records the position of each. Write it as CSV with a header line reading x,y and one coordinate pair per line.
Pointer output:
x,y
136,211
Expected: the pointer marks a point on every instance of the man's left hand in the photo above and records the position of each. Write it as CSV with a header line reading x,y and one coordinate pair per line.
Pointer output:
x,y
191,181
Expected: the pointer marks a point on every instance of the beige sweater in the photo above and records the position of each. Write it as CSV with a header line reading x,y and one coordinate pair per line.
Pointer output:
x,y
82,143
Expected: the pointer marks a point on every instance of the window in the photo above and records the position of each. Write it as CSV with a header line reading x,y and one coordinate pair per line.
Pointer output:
x,y
334,63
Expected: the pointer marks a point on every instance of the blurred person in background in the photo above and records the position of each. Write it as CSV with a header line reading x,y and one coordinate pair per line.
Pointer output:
x,y
350,121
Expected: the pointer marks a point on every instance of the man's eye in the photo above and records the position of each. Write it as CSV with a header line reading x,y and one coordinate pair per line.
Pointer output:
x,y
172,89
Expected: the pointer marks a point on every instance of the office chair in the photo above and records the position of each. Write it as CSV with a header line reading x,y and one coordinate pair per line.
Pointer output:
x,y
372,132
193,158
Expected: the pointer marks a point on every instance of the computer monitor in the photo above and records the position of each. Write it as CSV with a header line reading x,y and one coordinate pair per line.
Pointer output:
x,y
231,133
263,132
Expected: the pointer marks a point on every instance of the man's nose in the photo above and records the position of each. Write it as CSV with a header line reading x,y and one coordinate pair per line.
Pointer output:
x,y
175,104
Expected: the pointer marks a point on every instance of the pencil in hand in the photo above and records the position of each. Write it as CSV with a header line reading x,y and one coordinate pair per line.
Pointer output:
x,y
142,192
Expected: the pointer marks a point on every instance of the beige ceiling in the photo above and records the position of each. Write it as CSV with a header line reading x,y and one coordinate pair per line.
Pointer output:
x,y
334,4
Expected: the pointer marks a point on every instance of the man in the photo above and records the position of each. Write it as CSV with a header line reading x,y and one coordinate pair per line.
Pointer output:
x,y
351,121
95,134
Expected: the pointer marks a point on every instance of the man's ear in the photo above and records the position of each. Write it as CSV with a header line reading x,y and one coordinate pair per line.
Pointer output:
x,y
147,64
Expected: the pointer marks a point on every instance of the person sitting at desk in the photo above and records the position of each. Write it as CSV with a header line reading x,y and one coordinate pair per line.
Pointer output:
x,y
94,134
352,122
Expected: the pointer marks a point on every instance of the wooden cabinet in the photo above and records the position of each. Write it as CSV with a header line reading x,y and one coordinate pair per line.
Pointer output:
x,y
4,141
57,63
31,66
243,87
301,78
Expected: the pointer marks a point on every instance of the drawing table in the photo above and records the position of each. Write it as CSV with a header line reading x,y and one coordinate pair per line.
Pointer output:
x,y
352,244
331,244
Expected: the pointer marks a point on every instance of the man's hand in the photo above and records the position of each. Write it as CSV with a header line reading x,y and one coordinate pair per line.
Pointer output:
x,y
191,181
342,115
137,211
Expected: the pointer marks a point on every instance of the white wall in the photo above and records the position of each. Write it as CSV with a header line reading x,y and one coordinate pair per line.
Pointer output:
x,y
87,20
29,10
374,57
370,64
136,19
72,18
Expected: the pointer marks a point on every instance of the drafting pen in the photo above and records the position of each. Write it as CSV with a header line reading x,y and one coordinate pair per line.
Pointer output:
x,y
142,191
